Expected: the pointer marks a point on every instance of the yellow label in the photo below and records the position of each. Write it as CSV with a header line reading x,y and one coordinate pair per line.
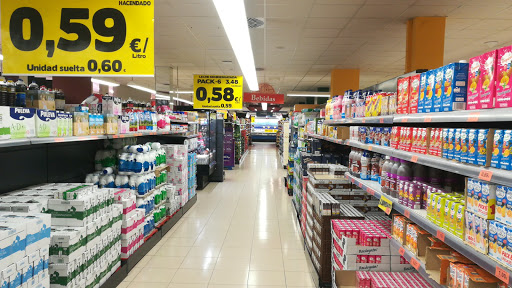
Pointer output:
x,y
218,92
385,204
270,131
253,119
85,38
224,113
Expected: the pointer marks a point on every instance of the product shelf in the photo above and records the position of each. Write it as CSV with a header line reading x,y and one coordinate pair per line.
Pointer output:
x,y
420,218
388,119
498,176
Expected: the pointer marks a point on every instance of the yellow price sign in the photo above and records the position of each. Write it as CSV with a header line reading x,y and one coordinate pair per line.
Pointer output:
x,y
83,38
218,92
385,204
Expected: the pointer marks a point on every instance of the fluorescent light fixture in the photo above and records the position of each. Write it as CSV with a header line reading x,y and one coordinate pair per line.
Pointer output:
x,y
182,100
182,92
308,94
98,81
162,97
233,18
1,57
264,106
141,88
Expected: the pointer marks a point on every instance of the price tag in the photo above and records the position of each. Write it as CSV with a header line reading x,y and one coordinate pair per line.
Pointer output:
x,y
485,175
473,117
83,38
370,148
407,213
440,235
414,158
218,92
405,120
360,185
363,120
502,275
381,120
370,191
415,263
427,119
401,251
348,142
385,204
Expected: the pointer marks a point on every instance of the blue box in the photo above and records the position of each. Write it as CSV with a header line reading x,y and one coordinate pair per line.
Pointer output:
x,y
423,92
506,150
429,91
437,99
455,86
496,148
457,143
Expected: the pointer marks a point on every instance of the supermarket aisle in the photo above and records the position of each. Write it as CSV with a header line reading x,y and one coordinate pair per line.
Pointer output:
x,y
240,233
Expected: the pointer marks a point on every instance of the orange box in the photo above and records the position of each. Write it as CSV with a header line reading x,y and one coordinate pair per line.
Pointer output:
x,y
417,240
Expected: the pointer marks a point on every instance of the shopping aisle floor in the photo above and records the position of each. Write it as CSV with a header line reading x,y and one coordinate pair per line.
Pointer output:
x,y
240,233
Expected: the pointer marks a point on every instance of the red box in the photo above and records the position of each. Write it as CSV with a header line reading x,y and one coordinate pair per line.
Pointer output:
x,y
414,93
403,95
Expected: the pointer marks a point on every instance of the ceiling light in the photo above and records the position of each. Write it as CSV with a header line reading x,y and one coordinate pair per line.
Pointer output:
x,y
138,87
182,100
233,17
1,57
162,97
182,92
98,81
308,94
264,106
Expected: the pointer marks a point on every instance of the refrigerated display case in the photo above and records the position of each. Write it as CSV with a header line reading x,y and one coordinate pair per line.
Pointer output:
x,y
264,129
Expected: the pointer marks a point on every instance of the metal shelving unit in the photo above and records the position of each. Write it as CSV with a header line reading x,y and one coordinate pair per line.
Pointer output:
x,y
419,217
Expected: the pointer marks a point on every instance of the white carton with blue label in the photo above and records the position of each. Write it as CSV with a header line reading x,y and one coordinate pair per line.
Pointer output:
x,y
455,86
46,123
12,243
37,229
23,122
5,123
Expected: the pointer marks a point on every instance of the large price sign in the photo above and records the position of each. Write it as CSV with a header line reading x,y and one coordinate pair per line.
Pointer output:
x,y
218,92
77,37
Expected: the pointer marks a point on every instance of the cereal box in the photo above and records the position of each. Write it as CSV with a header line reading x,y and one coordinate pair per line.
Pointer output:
x,y
455,86
437,99
487,91
506,150
497,146
414,92
504,71
464,139
457,143
474,83
484,142
431,79
472,146
423,92
501,204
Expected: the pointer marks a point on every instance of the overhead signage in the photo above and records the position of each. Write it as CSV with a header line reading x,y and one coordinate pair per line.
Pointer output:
x,y
218,92
264,98
80,38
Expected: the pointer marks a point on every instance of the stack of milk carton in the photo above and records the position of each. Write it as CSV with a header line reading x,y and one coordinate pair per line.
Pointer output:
x,y
177,159
132,227
192,172
85,243
24,248
173,201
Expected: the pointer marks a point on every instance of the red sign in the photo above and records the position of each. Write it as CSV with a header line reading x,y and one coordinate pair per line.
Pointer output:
x,y
264,98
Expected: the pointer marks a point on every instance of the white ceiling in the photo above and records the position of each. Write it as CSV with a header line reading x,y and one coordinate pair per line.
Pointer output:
x,y
304,39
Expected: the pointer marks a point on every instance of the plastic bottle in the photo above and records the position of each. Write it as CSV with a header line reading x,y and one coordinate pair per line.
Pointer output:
x,y
3,92
382,160
357,163
375,167
393,177
419,173
365,166
11,93
351,160
385,174
21,93
404,176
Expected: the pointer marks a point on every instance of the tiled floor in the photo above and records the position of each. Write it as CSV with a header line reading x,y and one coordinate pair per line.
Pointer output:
x,y
240,233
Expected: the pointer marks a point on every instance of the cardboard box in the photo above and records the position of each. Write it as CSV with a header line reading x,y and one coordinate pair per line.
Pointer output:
x,y
299,107
455,83
342,132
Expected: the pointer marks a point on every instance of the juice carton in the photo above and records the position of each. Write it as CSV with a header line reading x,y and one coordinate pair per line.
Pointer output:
x,y
469,233
414,145
423,92
455,86
459,220
464,139
501,204
414,91
431,204
457,143
502,231
437,99
508,208
504,71
441,200
483,237
506,150
493,240
472,146
477,194
451,143
446,142
431,80
423,139
497,146
403,95
471,191
487,91
484,142
474,83
446,213
487,201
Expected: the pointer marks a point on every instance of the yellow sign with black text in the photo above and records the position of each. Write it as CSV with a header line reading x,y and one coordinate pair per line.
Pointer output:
x,y
76,37
218,92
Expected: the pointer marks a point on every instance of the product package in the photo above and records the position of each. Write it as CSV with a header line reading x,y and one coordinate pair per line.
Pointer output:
x,y
437,99
487,91
23,123
430,87
414,92
474,83
455,86
46,123
423,92
504,71
5,123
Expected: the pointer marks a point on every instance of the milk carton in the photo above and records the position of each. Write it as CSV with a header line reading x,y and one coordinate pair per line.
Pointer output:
x,y
5,123
12,242
23,123
504,71
123,124
37,227
437,99
46,123
62,123
422,93
429,96
474,83
455,86
67,244
487,91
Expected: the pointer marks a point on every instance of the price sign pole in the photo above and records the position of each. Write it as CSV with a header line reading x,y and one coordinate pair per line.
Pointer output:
x,y
80,38
218,92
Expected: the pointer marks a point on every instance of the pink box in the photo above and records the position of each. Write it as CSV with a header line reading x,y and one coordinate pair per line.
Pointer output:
x,y
504,71
474,83
487,88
